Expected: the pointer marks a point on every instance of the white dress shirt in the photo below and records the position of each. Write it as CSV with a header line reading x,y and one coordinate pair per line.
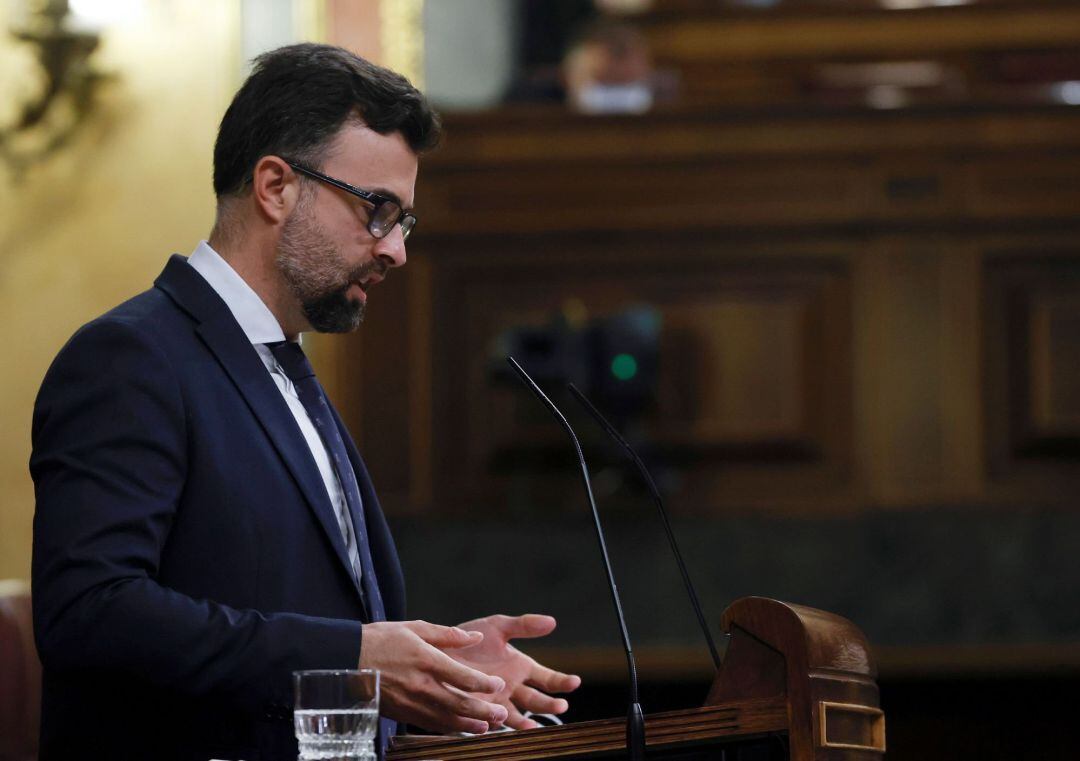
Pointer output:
x,y
261,327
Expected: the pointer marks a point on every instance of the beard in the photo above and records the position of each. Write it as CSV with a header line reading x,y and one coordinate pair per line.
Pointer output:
x,y
316,273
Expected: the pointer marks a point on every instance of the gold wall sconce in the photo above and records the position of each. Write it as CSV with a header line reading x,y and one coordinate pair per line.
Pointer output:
x,y
49,119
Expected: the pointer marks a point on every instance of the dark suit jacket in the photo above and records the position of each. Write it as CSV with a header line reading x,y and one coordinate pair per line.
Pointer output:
x,y
186,554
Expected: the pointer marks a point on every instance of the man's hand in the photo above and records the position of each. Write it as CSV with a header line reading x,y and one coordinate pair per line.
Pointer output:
x,y
526,681
422,685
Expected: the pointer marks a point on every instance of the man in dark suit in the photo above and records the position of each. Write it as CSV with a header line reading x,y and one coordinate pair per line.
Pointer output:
x,y
204,524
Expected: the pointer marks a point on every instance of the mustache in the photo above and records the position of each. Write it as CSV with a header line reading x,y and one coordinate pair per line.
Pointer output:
x,y
376,267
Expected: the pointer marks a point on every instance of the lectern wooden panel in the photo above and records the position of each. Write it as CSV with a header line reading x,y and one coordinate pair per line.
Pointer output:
x,y
797,684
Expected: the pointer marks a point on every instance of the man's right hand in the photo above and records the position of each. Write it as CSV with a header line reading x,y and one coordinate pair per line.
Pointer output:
x,y
421,685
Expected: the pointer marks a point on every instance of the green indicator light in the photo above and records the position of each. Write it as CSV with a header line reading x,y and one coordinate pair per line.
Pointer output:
x,y
624,367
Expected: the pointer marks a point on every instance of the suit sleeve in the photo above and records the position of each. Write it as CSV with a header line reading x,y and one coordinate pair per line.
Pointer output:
x,y
109,464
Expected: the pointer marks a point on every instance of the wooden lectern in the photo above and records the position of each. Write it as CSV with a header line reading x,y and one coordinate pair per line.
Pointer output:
x,y
797,684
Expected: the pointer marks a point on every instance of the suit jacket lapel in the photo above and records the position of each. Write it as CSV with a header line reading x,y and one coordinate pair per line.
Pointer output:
x,y
223,336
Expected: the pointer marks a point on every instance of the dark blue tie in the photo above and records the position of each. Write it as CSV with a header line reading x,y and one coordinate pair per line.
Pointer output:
x,y
296,366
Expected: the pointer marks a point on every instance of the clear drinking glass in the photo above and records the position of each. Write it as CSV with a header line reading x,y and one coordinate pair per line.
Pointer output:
x,y
336,714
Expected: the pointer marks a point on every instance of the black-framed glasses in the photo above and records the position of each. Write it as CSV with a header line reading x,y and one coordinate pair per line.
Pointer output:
x,y
385,212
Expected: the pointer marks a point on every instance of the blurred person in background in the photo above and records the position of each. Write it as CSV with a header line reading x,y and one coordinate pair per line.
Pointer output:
x,y
609,70
590,55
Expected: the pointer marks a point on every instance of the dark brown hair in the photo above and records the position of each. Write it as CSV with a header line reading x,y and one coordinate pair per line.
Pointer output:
x,y
296,100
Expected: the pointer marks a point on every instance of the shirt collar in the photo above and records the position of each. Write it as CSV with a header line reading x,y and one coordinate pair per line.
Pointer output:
x,y
255,318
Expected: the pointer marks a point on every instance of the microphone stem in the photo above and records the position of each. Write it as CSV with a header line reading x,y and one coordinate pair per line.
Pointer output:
x,y
630,664
635,719
613,433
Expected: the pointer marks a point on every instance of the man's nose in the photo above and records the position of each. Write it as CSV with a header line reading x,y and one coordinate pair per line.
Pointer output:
x,y
391,248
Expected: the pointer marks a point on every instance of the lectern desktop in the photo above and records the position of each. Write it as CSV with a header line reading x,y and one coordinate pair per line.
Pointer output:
x,y
797,684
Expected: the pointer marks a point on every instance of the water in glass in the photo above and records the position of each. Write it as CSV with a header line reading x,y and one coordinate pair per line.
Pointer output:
x,y
336,733
336,714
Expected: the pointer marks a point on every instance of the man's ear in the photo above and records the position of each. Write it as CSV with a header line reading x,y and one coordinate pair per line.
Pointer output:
x,y
275,188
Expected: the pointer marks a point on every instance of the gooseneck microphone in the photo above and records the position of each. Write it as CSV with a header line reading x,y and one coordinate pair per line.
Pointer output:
x,y
614,434
635,719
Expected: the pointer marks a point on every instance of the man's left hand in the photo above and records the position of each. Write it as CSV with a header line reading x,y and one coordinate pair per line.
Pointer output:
x,y
527,682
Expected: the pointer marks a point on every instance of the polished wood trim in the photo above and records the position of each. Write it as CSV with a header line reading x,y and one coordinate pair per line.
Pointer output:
x,y
876,716
488,144
670,729
784,9
880,35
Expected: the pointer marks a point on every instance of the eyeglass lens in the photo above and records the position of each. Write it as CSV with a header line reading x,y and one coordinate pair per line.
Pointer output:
x,y
384,219
386,216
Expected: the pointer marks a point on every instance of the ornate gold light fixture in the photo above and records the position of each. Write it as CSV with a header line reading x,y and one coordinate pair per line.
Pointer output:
x,y
49,119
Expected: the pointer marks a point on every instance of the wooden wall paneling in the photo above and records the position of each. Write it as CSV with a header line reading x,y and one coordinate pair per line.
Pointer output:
x,y
918,370
900,368
733,83
379,359
337,362
381,382
755,361
740,369
649,195
831,338
1032,355
999,319
716,36
915,187
805,463
489,145
727,53
482,290
885,246
1038,184
962,404
870,315
1054,363
421,284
